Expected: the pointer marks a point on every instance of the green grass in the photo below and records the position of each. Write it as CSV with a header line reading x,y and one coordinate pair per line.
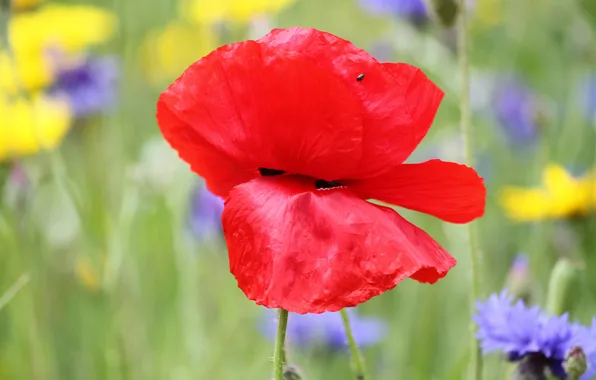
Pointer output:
x,y
168,308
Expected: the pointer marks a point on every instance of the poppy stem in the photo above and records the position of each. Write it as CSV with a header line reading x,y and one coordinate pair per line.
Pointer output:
x,y
466,130
356,354
279,354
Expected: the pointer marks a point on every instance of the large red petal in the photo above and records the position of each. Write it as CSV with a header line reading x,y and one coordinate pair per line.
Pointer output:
x,y
310,251
451,192
220,172
399,101
269,108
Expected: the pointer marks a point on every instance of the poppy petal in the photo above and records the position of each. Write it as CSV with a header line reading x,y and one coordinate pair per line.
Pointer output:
x,y
220,172
399,101
310,251
268,109
450,191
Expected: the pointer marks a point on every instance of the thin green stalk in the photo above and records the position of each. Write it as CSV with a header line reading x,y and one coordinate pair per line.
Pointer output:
x,y
279,355
466,130
13,290
356,355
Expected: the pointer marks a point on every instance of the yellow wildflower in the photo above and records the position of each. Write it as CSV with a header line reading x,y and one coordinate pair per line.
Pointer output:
x,y
65,28
23,4
28,73
560,196
168,52
210,11
26,127
69,28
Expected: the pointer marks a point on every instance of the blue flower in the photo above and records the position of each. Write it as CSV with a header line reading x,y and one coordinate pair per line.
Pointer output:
x,y
516,111
90,85
325,330
205,213
412,9
529,335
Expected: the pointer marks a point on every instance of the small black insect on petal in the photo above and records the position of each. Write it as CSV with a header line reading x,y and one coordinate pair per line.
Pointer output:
x,y
360,77
270,172
321,184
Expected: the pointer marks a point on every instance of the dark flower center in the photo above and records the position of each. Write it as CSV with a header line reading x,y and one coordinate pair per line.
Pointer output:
x,y
320,184
75,77
536,365
270,172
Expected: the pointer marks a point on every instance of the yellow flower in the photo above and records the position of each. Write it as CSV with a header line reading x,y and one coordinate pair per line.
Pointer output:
x,y
26,127
28,73
209,11
560,196
23,4
65,28
86,274
168,52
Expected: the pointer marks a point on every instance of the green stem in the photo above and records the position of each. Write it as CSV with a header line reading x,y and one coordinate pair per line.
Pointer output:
x,y
13,290
356,355
466,130
279,355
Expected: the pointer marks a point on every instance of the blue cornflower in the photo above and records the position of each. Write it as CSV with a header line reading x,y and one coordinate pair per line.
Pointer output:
x,y
326,330
528,335
90,85
205,213
414,10
516,110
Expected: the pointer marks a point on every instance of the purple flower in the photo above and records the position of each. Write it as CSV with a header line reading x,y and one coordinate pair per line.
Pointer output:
x,y
516,110
326,330
528,335
412,9
205,213
90,85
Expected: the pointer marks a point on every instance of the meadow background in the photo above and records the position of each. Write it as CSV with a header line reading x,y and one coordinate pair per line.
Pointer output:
x,y
103,274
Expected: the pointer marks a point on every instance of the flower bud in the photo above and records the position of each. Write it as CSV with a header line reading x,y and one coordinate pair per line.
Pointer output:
x,y
575,363
560,287
444,11
291,372
519,280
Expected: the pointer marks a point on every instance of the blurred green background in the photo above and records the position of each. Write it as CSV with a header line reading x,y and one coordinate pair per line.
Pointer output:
x,y
100,277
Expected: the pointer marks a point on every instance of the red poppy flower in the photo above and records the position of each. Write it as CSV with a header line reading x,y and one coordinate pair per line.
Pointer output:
x,y
296,131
